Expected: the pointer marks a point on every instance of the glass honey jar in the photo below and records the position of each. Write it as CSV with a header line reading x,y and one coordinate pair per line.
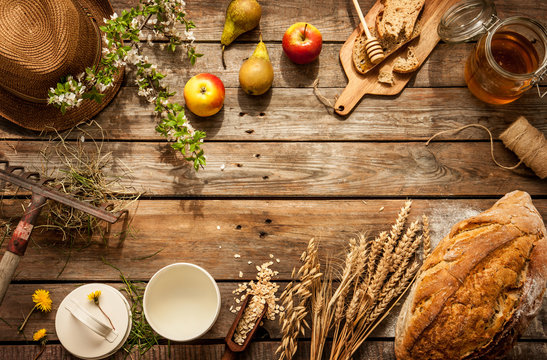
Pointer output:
x,y
510,56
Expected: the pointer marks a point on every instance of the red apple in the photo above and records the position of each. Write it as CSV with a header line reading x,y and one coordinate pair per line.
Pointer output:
x,y
302,43
204,94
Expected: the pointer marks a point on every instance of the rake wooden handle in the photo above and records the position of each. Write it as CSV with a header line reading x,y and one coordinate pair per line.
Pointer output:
x,y
18,243
7,269
372,46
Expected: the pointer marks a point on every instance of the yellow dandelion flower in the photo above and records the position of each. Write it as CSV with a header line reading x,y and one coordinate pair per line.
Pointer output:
x,y
94,296
39,335
42,300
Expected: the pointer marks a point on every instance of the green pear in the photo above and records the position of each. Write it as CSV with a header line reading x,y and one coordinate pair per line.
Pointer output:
x,y
241,16
256,74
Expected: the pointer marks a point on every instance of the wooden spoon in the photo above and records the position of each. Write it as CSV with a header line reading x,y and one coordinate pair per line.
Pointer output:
x,y
232,348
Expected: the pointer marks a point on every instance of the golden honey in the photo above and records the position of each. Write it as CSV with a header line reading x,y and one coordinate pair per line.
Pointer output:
x,y
507,62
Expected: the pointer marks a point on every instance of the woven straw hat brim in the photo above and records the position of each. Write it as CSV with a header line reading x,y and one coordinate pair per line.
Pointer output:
x,y
44,117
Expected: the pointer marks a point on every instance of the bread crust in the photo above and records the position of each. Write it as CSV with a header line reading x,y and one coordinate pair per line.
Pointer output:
x,y
478,290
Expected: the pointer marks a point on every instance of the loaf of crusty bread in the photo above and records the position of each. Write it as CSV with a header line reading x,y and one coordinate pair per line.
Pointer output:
x,y
396,22
477,291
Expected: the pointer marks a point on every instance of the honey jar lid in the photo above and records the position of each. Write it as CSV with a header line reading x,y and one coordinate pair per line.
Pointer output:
x,y
467,20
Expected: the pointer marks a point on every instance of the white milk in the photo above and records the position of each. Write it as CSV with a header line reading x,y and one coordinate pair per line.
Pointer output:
x,y
182,303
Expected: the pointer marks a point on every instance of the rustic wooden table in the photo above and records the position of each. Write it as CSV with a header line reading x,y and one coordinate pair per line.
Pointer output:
x,y
292,172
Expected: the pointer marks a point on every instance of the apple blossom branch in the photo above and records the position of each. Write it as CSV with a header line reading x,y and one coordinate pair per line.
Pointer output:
x,y
121,36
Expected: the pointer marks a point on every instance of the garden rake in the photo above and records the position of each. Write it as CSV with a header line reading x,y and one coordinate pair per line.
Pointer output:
x,y
40,194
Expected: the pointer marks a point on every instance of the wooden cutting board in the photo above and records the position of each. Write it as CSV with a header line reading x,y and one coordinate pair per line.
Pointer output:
x,y
359,85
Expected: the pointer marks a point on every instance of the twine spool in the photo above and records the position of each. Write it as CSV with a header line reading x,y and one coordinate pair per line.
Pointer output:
x,y
529,144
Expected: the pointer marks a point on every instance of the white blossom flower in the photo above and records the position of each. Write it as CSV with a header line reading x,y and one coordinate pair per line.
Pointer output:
x,y
189,35
119,63
102,87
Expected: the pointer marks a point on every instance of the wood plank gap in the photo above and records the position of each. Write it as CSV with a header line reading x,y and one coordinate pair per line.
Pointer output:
x,y
302,198
248,141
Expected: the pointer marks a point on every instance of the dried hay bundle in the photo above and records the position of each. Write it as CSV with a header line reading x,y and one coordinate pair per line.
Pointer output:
x,y
83,169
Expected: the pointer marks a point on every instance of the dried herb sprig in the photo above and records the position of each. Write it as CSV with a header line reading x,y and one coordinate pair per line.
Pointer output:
x,y
5,230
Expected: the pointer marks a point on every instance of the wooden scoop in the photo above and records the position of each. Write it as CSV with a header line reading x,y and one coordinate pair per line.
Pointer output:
x,y
232,348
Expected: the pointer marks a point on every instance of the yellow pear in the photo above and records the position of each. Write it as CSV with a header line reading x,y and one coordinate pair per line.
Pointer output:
x,y
241,16
256,74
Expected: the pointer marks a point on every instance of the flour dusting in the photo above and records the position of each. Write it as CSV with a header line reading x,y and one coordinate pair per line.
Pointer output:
x,y
442,218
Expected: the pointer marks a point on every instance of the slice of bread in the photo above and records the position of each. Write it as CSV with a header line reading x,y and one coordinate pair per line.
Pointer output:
x,y
408,64
359,54
396,22
360,58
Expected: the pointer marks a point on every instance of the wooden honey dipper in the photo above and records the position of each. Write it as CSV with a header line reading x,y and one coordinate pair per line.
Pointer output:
x,y
372,46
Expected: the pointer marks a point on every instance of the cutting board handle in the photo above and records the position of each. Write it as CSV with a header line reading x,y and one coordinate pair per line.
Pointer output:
x,y
349,98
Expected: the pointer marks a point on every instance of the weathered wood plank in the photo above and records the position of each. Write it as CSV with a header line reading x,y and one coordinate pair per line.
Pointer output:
x,y
210,232
328,169
295,114
378,350
335,19
18,299
443,68
18,302
433,73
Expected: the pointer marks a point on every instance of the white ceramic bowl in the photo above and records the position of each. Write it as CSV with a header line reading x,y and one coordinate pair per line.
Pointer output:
x,y
181,302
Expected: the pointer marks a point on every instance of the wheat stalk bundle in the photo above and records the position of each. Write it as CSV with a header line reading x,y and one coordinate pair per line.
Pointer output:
x,y
349,304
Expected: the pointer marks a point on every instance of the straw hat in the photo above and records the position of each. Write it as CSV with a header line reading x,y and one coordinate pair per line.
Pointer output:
x,y
42,41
